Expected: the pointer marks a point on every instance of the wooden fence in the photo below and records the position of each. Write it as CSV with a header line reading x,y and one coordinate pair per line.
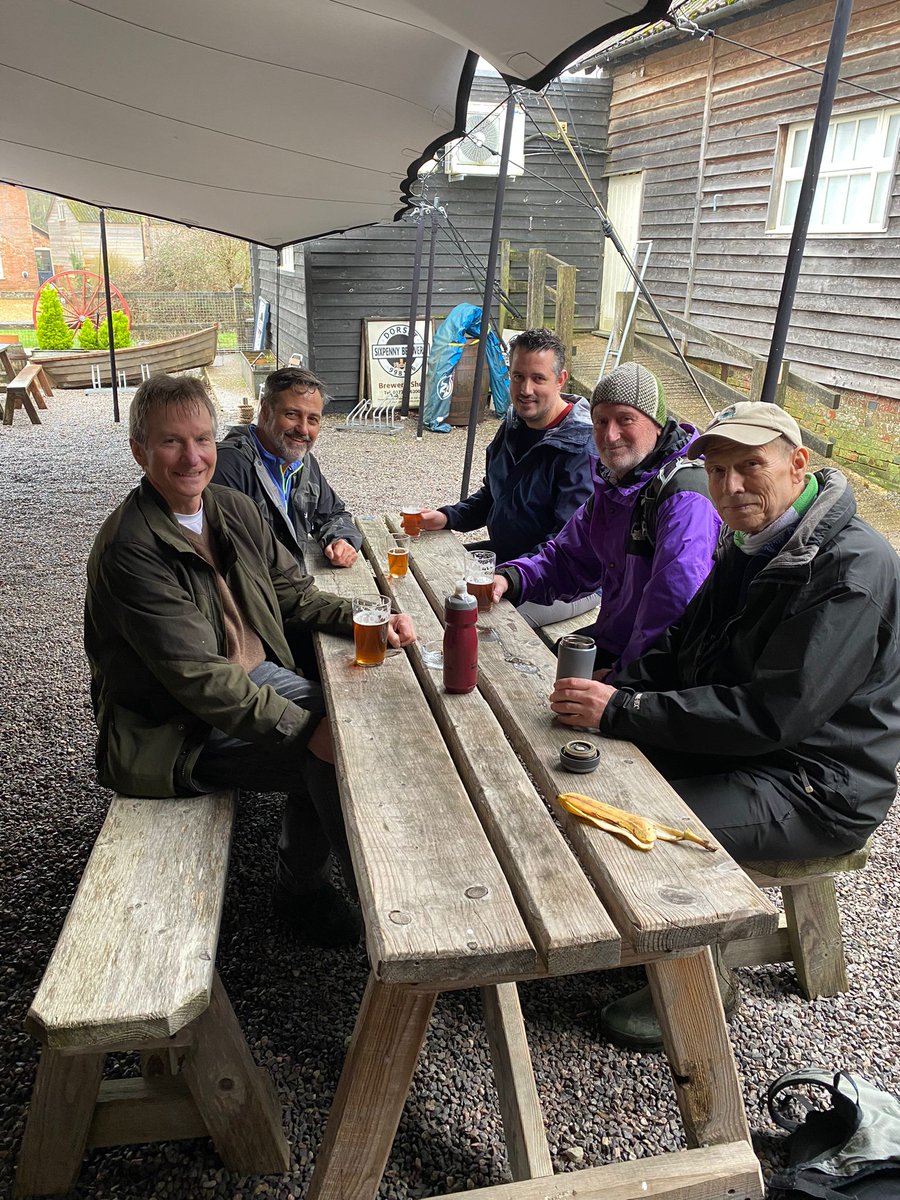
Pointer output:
x,y
538,292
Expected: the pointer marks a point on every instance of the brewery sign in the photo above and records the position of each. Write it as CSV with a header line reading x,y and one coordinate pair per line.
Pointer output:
x,y
386,344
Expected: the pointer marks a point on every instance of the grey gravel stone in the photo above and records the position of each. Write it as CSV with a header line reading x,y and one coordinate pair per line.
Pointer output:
x,y
58,481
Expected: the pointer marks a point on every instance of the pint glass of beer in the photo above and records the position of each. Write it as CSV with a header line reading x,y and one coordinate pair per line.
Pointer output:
x,y
370,629
398,555
480,565
411,519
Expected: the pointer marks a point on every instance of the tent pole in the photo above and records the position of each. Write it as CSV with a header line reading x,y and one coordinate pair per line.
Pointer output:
x,y
830,79
490,272
429,288
413,313
109,325
277,305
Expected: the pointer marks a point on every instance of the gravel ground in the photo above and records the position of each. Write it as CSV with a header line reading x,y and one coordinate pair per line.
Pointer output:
x,y
58,482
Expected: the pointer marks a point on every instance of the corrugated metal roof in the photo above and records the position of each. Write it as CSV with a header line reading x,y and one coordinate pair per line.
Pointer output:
x,y
687,9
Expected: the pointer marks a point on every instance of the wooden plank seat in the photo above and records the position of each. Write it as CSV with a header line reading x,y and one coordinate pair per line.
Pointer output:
x,y
27,390
727,1172
809,932
134,970
550,634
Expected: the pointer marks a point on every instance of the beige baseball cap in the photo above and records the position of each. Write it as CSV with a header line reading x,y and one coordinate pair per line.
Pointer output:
x,y
750,423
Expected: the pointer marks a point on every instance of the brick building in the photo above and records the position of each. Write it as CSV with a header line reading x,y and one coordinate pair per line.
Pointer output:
x,y
18,264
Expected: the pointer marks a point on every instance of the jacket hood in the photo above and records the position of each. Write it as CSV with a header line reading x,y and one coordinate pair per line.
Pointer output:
x,y
828,514
569,434
672,443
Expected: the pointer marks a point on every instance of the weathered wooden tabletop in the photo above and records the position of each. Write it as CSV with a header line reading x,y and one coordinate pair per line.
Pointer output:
x,y
470,873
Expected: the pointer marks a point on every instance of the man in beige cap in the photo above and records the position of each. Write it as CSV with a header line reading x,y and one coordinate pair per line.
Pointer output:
x,y
773,705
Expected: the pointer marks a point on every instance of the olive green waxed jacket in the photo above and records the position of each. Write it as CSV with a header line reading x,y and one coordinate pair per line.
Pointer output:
x,y
155,638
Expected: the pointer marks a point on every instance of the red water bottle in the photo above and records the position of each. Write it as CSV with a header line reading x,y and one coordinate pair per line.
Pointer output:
x,y
460,641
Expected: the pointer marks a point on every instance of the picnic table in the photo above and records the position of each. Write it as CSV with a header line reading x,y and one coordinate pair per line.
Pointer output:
x,y
467,880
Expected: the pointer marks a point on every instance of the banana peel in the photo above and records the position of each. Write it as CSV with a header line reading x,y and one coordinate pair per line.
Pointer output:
x,y
638,831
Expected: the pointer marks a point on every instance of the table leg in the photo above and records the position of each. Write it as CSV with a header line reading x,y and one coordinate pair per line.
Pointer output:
x,y
520,1106
696,1042
375,1080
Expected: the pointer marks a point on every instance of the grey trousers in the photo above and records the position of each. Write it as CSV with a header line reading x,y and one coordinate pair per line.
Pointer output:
x,y
312,825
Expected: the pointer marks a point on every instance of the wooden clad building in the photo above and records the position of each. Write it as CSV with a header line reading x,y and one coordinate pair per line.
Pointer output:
x,y
707,143
326,287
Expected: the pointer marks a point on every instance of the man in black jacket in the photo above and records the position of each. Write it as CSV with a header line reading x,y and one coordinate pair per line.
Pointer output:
x,y
271,462
773,705
539,465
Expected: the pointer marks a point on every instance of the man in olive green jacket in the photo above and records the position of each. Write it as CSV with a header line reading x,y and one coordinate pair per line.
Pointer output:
x,y
192,679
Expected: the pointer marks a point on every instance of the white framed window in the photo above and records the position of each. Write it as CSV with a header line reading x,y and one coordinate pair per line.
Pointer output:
x,y
287,258
60,212
855,178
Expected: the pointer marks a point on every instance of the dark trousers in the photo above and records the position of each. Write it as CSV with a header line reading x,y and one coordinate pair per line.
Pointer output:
x,y
756,810
313,824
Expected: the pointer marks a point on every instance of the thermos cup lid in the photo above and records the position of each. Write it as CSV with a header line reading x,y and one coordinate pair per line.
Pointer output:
x,y
579,756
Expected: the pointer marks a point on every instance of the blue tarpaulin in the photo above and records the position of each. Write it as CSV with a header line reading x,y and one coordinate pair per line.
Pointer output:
x,y
462,323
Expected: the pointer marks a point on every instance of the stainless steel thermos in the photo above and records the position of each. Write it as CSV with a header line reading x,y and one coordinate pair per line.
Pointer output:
x,y
575,657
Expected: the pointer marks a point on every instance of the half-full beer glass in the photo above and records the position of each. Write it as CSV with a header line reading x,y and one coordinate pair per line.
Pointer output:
x,y
480,566
398,555
370,629
411,519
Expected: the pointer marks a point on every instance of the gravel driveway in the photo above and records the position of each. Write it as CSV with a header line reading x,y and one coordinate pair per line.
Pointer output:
x,y
58,482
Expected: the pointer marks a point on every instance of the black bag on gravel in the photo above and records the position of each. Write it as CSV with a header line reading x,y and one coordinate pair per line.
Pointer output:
x,y
850,1151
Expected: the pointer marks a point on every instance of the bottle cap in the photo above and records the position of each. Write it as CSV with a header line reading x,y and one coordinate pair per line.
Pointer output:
x,y
579,756
461,599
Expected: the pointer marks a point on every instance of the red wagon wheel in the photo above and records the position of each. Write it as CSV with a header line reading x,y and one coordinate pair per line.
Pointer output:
x,y
83,295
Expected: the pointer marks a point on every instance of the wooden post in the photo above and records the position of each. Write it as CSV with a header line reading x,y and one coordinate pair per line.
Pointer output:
x,y
566,275
537,281
520,1106
782,386
505,252
757,376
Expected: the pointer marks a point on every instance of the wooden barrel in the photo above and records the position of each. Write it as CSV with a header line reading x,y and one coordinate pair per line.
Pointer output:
x,y
463,382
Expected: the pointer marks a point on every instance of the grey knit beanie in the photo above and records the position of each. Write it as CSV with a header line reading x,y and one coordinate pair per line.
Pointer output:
x,y
634,385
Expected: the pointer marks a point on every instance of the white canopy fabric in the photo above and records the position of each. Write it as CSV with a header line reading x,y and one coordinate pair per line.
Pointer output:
x,y
271,120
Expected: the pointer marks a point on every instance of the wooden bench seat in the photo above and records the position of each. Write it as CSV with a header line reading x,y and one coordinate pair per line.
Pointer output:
x,y
27,390
134,969
809,933
550,634
726,1172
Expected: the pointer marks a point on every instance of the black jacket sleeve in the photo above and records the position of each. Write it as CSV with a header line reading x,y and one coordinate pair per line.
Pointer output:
x,y
793,690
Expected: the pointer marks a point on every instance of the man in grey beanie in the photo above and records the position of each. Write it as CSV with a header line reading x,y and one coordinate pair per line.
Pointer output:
x,y
645,537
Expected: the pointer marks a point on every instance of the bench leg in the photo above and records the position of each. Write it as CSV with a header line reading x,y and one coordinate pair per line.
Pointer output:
x,y
59,1119
372,1090
814,928
701,1060
236,1099
520,1106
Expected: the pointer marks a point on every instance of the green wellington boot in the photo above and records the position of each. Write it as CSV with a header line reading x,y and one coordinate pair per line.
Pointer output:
x,y
631,1020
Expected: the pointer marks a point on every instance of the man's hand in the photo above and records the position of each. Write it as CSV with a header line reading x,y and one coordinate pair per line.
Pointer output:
x,y
501,587
432,519
341,553
401,631
580,701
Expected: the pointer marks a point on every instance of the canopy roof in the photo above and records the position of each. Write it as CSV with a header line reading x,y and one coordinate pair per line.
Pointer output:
x,y
272,120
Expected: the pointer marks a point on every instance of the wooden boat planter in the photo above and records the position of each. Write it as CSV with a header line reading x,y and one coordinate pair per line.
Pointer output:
x,y
72,368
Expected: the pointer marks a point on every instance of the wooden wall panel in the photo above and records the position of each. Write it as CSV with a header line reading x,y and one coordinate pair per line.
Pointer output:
x,y
846,325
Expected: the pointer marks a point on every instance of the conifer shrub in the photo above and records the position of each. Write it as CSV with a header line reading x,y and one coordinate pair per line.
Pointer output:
x,y
52,331
121,332
87,335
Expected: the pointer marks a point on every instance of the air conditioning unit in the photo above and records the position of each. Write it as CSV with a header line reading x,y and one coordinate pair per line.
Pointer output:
x,y
478,153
